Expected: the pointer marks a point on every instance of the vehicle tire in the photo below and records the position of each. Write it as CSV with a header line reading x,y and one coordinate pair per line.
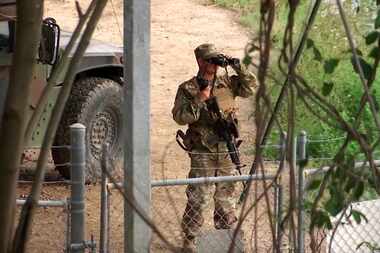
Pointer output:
x,y
96,103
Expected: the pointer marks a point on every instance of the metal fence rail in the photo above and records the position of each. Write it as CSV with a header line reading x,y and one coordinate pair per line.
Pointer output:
x,y
41,239
168,204
202,180
58,211
46,203
69,213
349,234
169,211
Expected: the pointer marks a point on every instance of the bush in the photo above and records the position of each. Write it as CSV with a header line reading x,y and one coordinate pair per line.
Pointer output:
x,y
326,65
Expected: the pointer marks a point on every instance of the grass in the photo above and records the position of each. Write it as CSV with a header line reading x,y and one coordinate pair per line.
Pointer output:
x,y
330,44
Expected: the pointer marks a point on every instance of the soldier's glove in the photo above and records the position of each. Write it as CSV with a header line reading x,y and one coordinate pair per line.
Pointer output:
x,y
234,63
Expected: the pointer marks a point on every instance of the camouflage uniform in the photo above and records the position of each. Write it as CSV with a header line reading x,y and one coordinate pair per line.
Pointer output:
x,y
205,147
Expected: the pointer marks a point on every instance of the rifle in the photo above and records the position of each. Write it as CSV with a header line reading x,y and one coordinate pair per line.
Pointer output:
x,y
227,130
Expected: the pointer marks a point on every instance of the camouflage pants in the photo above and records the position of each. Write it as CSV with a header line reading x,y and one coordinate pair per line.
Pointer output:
x,y
199,195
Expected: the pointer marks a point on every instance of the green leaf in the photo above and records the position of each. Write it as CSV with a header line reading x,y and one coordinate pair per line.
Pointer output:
x,y
330,65
314,184
358,191
349,51
307,205
376,102
309,43
336,201
317,54
351,182
377,20
328,224
334,205
322,219
371,37
357,215
247,60
358,51
366,67
371,182
375,53
327,88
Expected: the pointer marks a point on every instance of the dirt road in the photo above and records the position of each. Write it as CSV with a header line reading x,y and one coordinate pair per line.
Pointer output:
x,y
177,27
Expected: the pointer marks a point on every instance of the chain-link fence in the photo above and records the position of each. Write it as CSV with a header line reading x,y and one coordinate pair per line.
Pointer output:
x,y
205,207
191,208
115,229
175,216
181,212
351,236
355,229
50,228
51,223
59,221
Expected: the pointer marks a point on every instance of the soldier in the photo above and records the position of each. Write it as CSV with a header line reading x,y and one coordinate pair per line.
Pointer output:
x,y
206,149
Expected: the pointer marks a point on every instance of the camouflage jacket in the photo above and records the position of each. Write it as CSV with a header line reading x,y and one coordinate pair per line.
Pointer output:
x,y
188,109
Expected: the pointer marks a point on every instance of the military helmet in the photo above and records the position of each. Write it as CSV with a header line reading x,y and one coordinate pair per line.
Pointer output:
x,y
206,51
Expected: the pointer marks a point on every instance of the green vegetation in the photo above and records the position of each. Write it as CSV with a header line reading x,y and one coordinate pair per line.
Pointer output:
x,y
326,65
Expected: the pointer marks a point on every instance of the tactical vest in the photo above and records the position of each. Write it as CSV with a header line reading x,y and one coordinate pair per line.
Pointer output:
x,y
224,95
202,132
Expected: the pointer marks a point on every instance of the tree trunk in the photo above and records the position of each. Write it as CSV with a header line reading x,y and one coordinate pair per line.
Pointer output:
x,y
14,120
28,210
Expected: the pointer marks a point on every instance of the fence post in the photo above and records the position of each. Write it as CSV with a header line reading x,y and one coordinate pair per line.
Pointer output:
x,y
278,193
68,225
293,242
301,153
136,120
278,215
104,208
78,164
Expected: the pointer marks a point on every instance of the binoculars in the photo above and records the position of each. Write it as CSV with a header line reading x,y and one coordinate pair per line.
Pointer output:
x,y
224,61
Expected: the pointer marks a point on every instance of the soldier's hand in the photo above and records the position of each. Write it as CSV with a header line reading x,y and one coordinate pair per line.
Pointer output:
x,y
205,93
234,62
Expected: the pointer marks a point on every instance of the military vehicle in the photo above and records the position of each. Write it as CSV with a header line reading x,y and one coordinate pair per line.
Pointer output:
x,y
95,99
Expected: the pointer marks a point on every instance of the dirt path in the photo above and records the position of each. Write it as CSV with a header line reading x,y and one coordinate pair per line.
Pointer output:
x,y
177,27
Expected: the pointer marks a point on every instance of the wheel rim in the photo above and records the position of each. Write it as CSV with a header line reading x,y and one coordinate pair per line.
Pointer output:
x,y
103,130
